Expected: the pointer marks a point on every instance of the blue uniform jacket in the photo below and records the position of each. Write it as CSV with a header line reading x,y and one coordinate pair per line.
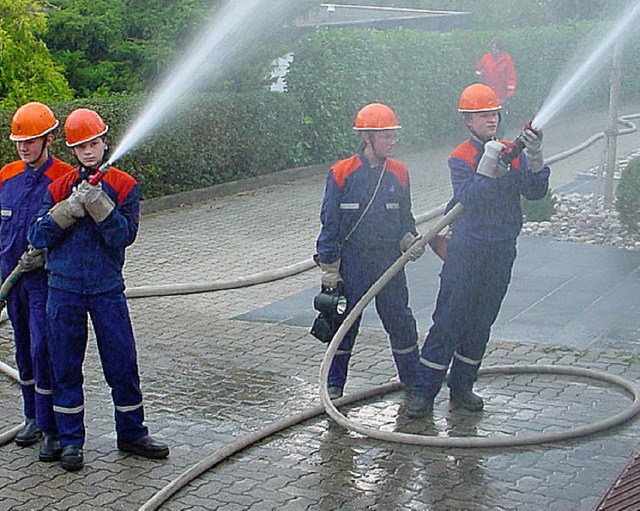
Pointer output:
x,y
492,210
21,192
350,185
88,257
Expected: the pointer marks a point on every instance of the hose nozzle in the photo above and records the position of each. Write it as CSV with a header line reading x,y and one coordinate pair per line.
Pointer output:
x,y
513,150
97,177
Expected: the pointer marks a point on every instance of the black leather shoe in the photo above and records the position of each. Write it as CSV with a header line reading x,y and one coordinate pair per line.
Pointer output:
x,y
29,434
418,406
50,449
466,399
71,458
147,446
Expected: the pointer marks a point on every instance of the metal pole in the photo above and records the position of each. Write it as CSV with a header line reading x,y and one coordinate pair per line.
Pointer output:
x,y
612,130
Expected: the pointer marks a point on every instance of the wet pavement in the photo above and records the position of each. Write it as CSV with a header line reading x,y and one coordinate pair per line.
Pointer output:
x,y
218,366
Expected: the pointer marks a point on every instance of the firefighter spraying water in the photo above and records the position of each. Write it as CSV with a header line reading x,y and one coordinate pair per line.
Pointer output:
x,y
489,177
86,229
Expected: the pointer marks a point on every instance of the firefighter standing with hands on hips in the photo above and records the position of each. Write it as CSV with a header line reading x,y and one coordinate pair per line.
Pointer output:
x,y
86,229
481,252
22,187
366,225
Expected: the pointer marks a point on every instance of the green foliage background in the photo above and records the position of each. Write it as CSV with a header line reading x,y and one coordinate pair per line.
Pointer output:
x,y
27,71
238,128
628,196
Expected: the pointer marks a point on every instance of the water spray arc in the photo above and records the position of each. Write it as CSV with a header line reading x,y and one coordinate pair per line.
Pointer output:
x,y
208,58
556,101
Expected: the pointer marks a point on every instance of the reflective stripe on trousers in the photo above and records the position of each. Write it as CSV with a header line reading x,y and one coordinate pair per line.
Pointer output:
x,y
109,314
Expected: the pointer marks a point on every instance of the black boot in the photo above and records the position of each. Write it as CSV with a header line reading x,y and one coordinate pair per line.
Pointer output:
x,y
334,392
71,458
147,446
29,434
418,406
465,398
50,449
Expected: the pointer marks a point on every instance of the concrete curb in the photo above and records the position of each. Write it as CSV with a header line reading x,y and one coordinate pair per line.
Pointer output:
x,y
231,188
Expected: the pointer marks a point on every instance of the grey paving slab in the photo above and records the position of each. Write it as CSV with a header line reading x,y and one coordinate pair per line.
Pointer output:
x,y
562,294
209,379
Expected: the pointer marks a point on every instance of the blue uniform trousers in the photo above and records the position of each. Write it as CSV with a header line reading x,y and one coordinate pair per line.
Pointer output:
x,y
473,282
26,309
67,314
360,269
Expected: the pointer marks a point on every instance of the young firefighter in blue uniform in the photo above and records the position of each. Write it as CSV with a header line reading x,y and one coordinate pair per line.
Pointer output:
x,y
22,187
480,255
366,224
86,229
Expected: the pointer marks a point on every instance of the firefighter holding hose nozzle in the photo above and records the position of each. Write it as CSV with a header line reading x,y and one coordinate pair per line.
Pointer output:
x,y
488,178
86,229
366,225
22,187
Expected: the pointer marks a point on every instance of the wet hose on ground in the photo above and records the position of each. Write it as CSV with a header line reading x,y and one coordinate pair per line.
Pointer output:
x,y
330,407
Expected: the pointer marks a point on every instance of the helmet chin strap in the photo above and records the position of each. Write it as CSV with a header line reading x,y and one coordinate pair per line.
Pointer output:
x,y
374,152
93,168
42,150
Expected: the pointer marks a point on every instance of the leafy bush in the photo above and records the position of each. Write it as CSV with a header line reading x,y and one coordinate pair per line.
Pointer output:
x,y
628,196
539,210
421,74
218,139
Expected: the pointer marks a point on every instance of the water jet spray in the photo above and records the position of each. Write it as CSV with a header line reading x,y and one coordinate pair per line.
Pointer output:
x,y
210,55
585,72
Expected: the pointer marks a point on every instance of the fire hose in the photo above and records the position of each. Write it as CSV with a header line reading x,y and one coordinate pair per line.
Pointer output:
x,y
327,404
330,407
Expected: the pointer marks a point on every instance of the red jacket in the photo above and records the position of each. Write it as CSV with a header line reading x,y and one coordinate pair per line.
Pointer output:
x,y
498,73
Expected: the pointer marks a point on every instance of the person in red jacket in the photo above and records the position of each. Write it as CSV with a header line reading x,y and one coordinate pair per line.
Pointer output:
x,y
496,70
22,187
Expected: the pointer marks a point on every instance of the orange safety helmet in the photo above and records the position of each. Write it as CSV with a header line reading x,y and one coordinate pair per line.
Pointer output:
x,y
83,125
376,116
478,98
32,120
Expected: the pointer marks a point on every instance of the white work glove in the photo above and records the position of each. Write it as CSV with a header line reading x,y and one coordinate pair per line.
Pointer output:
x,y
408,244
533,146
489,163
31,259
330,274
66,212
97,203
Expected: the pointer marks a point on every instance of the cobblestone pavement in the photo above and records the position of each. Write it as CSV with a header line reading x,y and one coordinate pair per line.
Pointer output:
x,y
209,379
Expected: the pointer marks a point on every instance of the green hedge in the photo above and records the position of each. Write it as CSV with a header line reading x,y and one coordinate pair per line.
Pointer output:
x,y
335,72
628,196
421,74
216,140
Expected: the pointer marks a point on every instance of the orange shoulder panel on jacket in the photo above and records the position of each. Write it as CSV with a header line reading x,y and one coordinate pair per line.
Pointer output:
x,y
120,181
11,170
465,152
58,169
398,169
344,168
59,189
